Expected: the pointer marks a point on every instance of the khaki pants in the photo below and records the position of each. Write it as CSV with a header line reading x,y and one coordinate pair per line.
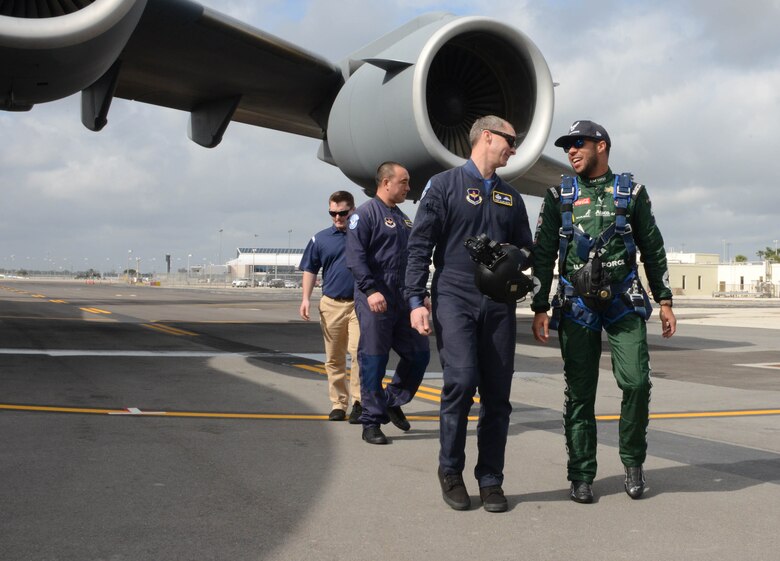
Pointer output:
x,y
341,333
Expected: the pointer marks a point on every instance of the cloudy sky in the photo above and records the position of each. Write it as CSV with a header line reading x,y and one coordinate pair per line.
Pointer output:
x,y
687,89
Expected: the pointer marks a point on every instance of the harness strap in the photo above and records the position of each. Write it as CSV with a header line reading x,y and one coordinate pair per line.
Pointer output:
x,y
570,191
622,194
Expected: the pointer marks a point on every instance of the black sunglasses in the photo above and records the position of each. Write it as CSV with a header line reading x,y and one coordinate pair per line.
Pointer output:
x,y
576,143
513,141
341,213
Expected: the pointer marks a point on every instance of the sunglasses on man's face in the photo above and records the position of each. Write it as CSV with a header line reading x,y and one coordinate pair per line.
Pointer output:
x,y
342,213
576,143
513,141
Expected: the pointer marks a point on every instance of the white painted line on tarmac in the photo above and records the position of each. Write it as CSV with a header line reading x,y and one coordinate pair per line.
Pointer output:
x,y
769,365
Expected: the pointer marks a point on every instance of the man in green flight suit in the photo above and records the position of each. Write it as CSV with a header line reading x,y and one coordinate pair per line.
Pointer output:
x,y
594,224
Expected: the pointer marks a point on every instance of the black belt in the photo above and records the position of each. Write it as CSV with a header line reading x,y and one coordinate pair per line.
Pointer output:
x,y
349,299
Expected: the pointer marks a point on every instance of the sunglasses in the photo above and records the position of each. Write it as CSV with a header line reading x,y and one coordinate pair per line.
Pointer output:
x,y
513,141
341,213
576,143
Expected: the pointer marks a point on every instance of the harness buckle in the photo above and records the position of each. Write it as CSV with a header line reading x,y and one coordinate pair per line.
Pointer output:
x,y
623,185
569,188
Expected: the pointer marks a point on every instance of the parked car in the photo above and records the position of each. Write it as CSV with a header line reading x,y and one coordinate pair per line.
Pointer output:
x,y
241,283
290,284
276,283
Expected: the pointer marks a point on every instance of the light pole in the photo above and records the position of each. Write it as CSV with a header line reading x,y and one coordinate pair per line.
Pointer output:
x,y
188,267
127,272
776,259
254,254
220,252
289,238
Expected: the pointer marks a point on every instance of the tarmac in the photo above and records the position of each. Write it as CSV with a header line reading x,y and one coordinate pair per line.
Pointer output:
x,y
143,423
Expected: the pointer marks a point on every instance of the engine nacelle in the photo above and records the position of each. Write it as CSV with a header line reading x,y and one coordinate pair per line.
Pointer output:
x,y
55,49
415,100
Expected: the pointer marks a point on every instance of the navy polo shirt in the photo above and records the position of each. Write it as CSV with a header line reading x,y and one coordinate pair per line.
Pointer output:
x,y
326,251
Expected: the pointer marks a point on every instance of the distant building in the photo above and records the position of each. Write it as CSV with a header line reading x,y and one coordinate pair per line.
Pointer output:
x,y
265,263
693,274
701,274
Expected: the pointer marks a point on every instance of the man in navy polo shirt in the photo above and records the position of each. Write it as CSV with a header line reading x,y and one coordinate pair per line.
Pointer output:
x,y
376,255
337,308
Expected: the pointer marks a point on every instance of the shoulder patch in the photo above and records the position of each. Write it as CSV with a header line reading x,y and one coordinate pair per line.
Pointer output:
x,y
474,196
556,191
637,188
425,191
353,221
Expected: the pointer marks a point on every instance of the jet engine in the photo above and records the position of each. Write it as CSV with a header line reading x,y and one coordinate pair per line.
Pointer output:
x,y
413,95
85,36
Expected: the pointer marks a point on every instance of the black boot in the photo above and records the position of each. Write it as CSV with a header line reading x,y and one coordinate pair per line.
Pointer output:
x,y
581,492
453,490
635,481
374,435
354,415
398,418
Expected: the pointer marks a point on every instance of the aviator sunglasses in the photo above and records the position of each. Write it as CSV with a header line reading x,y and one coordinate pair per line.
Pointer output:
x,y
576,143
341,213
513,141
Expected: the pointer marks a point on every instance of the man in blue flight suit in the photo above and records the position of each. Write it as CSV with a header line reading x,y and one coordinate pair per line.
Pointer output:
x,y
376,254
475,335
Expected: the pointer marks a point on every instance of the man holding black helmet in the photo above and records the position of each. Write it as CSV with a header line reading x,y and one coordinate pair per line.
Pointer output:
x,y
475,335
594,224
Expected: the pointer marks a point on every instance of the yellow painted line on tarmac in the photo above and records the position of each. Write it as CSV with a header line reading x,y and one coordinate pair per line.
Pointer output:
x,y
699,414
95,311
56,301
169,330
48,409
38,295
133,411
310,368
425,392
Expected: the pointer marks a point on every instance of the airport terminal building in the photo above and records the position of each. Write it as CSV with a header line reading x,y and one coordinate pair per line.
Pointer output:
x,y
262,264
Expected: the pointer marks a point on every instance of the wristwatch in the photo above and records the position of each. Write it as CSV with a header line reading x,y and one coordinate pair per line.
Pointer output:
x,y
665,303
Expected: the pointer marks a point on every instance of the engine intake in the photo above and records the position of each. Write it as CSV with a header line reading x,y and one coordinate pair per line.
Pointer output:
x,y
47,9
50,50
415,101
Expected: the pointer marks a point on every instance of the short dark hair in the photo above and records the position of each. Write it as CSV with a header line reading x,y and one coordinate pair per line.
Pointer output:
x,y
342,197
385,170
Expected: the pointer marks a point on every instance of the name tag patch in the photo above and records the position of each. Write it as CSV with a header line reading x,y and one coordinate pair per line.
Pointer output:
x,y
389,222
502,198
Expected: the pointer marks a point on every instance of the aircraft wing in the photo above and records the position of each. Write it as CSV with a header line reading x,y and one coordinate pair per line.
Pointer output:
x,y
183,55
545,173
410,96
